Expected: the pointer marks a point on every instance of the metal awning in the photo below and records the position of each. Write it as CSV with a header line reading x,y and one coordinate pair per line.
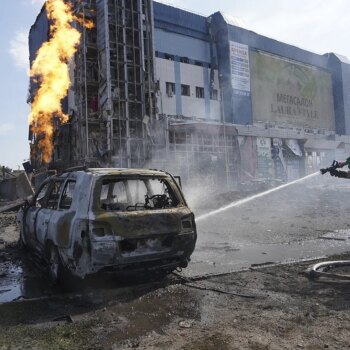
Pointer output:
x,y
321,144
293,145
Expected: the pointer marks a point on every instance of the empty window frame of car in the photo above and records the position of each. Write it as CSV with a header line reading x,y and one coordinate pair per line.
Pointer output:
x,y
67,195
137,194
54,194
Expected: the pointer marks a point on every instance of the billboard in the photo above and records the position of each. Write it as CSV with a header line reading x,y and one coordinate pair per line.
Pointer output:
x,y
240,73
285,91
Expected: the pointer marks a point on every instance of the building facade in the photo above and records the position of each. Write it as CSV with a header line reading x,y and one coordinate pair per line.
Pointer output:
x,y
157,86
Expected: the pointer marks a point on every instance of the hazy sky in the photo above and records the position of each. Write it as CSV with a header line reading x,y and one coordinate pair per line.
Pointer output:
x,y
316,25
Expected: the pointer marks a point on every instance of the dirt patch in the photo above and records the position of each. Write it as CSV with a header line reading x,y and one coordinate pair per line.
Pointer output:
x,y
271,307
285,310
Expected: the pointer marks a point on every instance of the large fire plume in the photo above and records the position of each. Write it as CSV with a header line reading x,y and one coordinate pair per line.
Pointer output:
x,y
51,69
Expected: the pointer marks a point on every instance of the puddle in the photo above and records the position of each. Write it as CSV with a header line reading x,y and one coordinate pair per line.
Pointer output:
x,y
20,280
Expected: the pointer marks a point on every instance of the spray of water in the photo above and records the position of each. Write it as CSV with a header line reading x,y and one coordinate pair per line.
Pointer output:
x,y
258,195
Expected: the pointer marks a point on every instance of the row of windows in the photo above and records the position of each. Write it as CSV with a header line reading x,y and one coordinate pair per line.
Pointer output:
x,y
187,60
186,91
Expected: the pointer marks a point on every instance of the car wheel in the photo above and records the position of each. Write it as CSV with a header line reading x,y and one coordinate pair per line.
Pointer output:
x,y
55,265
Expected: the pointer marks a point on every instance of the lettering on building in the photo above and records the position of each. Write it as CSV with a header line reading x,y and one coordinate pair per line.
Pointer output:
x,y
294,106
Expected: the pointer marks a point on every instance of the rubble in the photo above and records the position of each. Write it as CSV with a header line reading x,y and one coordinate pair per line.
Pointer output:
x,y
15,192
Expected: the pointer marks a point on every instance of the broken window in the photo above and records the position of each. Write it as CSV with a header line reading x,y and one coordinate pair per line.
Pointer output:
x,y
137,194
52,200
40,198
67,196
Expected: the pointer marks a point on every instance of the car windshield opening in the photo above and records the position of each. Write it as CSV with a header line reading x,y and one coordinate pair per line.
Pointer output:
x,y
137,194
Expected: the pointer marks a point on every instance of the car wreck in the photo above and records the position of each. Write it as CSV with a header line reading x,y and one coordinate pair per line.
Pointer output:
x,y
91,220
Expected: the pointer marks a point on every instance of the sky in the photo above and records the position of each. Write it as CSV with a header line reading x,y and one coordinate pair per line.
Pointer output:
x,y
319,26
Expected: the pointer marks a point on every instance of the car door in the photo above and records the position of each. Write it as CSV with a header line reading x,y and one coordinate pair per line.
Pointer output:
x,y
48,208
30,214
61,220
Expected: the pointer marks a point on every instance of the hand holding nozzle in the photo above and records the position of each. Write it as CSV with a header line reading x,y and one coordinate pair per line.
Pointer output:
x,y
335,165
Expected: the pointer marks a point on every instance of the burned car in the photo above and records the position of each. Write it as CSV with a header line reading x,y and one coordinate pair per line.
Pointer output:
x,y
91,220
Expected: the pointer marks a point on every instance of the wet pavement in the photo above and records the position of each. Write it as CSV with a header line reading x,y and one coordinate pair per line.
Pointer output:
x,y
222,258
303,222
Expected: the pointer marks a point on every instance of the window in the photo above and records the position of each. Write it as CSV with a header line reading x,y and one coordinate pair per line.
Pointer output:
x,y
184,60
138,194
170,89
40,198
185,90
67,196
169,57
52,200
199,92
214,94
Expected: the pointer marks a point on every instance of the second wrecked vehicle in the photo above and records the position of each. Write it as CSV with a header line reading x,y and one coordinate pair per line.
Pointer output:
x,y
109,219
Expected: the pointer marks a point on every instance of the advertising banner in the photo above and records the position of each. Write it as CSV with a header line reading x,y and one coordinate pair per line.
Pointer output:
x,y
287,92
240,71
264,158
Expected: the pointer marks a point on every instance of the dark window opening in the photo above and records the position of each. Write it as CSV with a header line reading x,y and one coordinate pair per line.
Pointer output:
x,y
170,88
185,90
67,196
52,200
199,92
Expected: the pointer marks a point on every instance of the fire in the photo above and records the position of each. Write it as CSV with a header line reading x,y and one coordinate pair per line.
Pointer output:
x,y
51,69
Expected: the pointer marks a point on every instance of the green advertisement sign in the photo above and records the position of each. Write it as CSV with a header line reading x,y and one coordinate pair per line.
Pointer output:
x,y
287,92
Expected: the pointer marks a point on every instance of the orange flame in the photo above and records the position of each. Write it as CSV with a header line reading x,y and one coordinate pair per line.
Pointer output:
x,y
51,69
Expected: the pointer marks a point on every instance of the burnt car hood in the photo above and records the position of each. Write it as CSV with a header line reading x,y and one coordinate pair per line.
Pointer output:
x,y
143,223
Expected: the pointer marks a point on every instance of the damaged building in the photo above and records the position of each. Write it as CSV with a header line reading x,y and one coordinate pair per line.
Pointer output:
x,y
158,87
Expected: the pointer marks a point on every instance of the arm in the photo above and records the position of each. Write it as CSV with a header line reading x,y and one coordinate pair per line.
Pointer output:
x,y
341,174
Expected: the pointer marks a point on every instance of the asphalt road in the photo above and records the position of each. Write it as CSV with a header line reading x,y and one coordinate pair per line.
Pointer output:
x,y
303,221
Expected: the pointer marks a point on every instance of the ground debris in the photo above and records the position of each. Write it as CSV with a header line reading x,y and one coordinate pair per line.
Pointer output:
x,y
185,324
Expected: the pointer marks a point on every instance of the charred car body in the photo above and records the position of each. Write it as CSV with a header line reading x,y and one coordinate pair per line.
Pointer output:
x,y
109,219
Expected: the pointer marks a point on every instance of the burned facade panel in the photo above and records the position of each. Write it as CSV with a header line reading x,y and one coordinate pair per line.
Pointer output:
x,y
110,101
